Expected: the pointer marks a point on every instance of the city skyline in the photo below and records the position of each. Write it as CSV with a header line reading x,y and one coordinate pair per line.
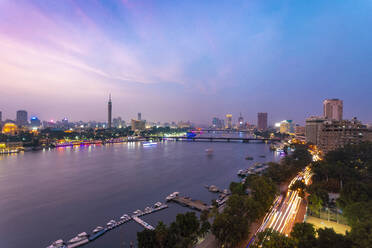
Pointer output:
x,y
184,61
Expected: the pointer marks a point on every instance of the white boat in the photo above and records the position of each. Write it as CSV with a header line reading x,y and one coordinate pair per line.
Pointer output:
x,y
148,144
148,210
57,244
158,204
172,196
111,223
137,212
80,237
97,229
125,217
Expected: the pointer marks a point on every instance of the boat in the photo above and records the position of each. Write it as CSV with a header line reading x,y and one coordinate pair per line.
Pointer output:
x,y
111,223
97,229
149,144
158,204
209,151
57,244
262,156
80,239
172,196
125,217
137,212
248,158
148,210
213,188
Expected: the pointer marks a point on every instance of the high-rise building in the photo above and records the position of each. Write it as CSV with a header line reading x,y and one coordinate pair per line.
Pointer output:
x,y
139,116
262,121
313,128
35,122
240,121
337,134
138,125
332,109
22,118
228,121
109,125
218,123
286,126
118,122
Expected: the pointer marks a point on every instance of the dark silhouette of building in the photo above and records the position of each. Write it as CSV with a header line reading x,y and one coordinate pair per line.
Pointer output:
x,y
262,121
22,117
109,125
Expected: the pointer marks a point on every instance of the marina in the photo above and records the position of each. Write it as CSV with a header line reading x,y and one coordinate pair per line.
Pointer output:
x,y
84,238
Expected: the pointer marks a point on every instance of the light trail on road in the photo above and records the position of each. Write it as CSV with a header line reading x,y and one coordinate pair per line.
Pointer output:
x,y
283,212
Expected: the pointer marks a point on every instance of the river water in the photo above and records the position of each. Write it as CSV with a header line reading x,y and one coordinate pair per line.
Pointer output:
x,y
59,193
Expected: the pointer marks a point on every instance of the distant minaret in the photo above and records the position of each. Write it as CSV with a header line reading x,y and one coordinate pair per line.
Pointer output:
x,y
109,112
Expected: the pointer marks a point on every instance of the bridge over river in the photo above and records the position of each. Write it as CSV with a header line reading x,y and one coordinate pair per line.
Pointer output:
x,y
214,139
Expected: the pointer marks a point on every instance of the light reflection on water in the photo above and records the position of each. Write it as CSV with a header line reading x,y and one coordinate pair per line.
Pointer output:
x,y
58,193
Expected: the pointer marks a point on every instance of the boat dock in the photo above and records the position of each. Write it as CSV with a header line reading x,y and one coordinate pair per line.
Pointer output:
x,y
112,224
142,223
188,202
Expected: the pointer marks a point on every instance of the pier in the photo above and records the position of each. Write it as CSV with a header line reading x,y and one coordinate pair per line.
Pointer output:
x,y
188,202
142,223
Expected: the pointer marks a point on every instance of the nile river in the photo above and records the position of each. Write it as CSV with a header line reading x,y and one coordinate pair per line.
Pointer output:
x,y
59,193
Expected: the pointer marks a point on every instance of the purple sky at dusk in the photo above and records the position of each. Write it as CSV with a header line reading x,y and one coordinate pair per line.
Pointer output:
x,y
185,60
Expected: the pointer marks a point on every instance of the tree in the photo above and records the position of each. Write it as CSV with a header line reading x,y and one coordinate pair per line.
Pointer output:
x,y
315,204
361,234
204,223
161,233
328,238
237,188
273,239
230,229
263,191
304,235
146,239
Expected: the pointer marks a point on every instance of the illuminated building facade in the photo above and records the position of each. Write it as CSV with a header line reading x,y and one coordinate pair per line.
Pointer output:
x,y
262,121
228,121
286,126
10,129
218,123
240,121
35,122
332,109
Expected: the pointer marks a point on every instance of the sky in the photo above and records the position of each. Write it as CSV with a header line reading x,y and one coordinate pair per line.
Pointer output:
x,y
185,60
